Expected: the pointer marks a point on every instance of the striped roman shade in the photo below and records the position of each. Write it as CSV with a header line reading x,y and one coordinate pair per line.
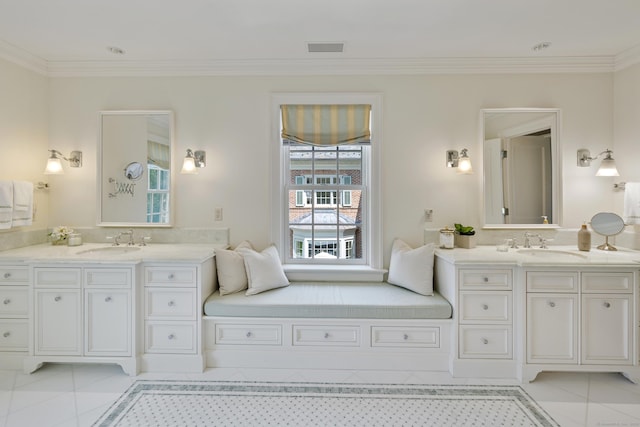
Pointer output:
x,y
326,124
159,154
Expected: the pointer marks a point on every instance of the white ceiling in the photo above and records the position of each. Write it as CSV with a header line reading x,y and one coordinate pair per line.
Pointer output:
x,y
59,37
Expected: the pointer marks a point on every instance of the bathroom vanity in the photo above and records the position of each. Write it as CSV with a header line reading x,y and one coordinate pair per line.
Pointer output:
x,y
522,312
139,307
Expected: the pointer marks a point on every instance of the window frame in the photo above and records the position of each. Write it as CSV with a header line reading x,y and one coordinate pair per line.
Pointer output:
x,y
371,266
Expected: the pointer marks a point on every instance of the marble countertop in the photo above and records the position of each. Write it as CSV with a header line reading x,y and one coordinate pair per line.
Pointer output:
x,y
553,256
107,253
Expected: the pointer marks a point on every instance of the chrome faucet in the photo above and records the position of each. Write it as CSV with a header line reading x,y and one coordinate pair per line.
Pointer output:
x,y
129,232
527,239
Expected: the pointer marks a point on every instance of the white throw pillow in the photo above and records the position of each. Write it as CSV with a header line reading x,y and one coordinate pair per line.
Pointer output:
x,y
264,270
232,276
412,268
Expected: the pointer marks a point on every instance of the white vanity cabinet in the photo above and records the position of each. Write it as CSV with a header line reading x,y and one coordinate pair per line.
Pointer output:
x,y
14,314
580,319
84,314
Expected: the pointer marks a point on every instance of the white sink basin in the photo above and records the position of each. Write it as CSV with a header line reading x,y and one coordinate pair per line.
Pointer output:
x,y
550,253
110,250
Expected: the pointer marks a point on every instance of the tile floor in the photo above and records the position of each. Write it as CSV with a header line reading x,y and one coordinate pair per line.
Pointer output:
x,y
76,395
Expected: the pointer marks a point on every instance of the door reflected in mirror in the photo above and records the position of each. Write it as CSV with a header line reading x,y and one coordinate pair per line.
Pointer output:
x,y
135,168
521,167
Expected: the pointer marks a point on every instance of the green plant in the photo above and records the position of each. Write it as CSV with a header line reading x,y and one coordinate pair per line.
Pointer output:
x,y
464,230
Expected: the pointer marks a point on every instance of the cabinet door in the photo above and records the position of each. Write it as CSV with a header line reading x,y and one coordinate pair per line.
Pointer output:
x,y
606,329
552,328
58,322
107,322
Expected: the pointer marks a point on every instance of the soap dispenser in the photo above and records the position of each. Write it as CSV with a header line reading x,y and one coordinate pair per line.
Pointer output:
x,y
584,238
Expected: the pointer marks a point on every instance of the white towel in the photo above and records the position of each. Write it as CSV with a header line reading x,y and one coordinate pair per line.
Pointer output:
x,y
22,203
6,204
632,203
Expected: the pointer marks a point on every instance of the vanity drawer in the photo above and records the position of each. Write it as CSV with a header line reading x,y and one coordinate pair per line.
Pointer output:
x,y
163,303
326,335
14,275
116,277
485,342
14,301
168,337
552,281
234,334
14,335
171,276
389,336
490,306
607,282
58,277
485,279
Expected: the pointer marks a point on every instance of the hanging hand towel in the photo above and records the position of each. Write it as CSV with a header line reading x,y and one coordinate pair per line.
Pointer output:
x,y
22,203
6,204
632,203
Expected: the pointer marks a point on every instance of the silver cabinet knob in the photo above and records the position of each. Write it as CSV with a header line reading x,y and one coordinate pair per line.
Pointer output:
x,y
108,299
485,279
172,337
485,341
485,307
607,304
171,303
405,337
171,276
6,301
7,275
326,335
552,304
58,298
249,334
6,334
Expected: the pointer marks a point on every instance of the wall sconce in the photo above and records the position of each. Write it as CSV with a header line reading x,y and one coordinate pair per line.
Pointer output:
x,y
460,161
607,166
193,161
54,164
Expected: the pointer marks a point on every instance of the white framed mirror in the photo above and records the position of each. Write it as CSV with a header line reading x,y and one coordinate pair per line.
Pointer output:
x,y
521,167
135,168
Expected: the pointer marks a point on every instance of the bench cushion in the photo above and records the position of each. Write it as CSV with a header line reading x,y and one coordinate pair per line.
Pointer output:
x,y
357,300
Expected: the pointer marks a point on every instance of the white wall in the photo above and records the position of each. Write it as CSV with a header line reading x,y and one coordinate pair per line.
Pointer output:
x,y
23,137
423,117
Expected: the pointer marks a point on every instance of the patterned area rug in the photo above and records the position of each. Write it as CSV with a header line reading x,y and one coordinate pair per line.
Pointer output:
x,y
206,403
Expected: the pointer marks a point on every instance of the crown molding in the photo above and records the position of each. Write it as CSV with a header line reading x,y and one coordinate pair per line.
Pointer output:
x,y
325,66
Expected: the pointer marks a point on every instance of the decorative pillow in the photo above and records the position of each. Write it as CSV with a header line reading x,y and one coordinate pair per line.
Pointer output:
x,y
264,270
412,268
232,276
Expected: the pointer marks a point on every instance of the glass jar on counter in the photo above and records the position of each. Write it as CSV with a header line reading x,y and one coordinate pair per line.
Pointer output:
x,y
446,238
75,239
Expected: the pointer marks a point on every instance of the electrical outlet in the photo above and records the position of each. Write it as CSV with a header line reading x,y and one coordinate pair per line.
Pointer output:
x,y
217,216
428,215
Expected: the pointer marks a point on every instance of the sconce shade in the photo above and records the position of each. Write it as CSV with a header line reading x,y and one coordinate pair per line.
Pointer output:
x,y
54,166
608,166
464,163
193,161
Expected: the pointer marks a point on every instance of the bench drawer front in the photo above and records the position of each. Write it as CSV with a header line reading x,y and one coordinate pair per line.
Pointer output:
x,y
166,337
486,279
326,335
389,336
14,301
163,303
485,307
232,334
488,342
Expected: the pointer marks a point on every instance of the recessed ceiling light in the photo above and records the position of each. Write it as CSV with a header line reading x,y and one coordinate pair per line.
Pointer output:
x,y
323,47
115,50
541,46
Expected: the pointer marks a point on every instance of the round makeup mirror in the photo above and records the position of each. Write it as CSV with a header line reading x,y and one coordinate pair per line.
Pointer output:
x,y
134,171
607,224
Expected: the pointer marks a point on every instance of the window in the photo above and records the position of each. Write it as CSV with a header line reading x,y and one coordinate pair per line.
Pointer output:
x,y
157,195
326,204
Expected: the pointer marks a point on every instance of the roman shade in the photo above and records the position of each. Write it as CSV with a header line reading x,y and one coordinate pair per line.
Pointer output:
x,y
159,154
326,125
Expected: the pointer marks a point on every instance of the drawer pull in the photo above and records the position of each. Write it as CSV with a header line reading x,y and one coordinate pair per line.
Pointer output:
x,y
485,341
485,307
249,334
172,337
58,298
107,299
485,279
171,276
405,337
326,335
552,304
171,303
607,304
6,301
6,334
7,275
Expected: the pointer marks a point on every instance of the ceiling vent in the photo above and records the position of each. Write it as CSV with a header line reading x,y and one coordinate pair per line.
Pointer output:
x,y
325,47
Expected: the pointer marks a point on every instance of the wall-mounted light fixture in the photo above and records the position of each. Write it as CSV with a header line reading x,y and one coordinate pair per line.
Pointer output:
x,y
459,160
193,160
54,163
607,166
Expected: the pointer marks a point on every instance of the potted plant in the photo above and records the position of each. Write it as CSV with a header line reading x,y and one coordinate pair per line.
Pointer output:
x,y
464,236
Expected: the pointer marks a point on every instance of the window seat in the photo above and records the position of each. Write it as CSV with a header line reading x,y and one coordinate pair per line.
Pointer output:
x,y
339,300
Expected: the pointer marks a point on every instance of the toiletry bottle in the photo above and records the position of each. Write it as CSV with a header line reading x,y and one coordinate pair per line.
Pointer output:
x,y
545,220
584,238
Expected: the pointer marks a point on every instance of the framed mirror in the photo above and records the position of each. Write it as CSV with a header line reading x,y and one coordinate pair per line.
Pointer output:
x,y
521,167
135,168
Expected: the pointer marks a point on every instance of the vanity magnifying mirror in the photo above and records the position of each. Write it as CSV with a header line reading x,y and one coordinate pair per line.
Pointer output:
x,y
607,224
521,167
135,171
